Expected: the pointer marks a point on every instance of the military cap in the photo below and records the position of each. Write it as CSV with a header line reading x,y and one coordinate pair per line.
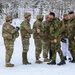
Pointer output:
x,y
52,13
8,18
27,14
71,12
39,16
65,15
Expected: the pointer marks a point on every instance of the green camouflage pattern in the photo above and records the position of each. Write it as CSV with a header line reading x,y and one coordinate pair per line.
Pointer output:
x,y
46,39
9,34
54,34
37,38
26,31
71,36
64,30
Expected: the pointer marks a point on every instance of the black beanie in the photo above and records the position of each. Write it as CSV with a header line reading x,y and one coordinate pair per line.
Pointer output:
x,y
71,12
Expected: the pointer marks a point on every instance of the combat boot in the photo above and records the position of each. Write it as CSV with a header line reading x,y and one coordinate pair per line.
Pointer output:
x,y
46,60
9,65
61,63
38,62
24,58
53,62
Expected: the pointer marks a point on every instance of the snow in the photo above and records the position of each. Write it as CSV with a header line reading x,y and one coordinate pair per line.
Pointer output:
x,y
33,69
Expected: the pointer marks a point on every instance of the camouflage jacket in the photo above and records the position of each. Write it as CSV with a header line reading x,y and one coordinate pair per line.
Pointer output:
x,y
9,32
37,25
54,28
45,28
25,29
72,27
64,30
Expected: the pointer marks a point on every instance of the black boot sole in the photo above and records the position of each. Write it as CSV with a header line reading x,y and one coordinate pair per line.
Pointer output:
x,y
51,64
61,64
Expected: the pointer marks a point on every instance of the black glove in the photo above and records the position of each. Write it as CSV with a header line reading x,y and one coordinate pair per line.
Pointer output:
x,y
17,28
63,40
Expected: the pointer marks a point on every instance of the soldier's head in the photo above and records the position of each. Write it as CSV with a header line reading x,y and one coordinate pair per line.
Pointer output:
x,y
71,14
47,18
8,19
27,16
40,17
66,17
51,15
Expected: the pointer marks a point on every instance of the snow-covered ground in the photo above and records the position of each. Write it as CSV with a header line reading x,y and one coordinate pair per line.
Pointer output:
x,y
33,69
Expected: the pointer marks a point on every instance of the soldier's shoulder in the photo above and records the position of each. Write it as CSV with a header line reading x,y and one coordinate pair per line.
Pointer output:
x,y
56,19
37,22
22,22
7,26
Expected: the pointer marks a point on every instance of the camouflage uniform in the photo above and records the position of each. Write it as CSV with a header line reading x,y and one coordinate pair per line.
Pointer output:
x,y
64,28
54,34
37,36
9,34
64,33
71,37
46,40
26,31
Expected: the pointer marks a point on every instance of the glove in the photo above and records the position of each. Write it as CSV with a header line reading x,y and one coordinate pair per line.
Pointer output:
x,y
63,40
17,28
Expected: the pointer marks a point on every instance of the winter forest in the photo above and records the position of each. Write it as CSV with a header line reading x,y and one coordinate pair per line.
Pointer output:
x,y
13,7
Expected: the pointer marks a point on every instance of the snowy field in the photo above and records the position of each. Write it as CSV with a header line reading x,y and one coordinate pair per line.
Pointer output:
x,y
33,69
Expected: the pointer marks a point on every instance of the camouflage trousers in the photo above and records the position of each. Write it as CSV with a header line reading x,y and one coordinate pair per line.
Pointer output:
x,y
55,47
72,47
46,48
9,45
25,44
38,48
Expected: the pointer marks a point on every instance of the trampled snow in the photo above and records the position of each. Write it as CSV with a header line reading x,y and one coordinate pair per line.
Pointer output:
x,y
33,69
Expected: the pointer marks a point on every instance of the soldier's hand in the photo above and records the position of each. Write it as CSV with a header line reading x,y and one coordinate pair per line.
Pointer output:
x,y
17,28
38,30
55,40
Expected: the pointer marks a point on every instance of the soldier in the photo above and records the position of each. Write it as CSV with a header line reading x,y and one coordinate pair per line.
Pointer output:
x,y
64,37
72,35
37,35
26,31
46,40
9,34
55,40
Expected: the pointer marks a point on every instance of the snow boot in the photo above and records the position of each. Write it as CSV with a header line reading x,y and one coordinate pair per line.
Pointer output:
x,y
24,58
53,62
9,65
61,63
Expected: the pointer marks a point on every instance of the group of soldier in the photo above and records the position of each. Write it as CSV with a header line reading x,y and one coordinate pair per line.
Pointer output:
x,y
46,34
